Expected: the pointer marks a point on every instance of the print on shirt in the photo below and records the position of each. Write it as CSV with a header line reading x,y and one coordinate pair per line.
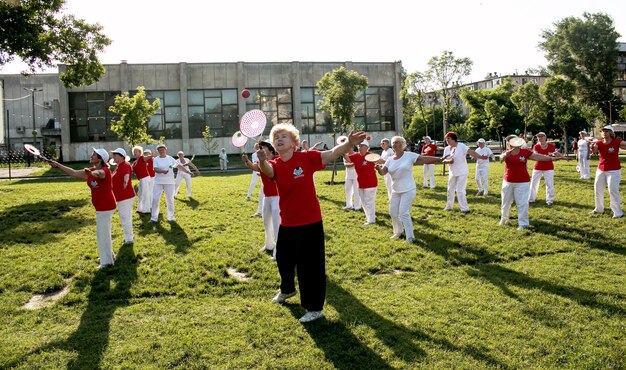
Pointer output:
x,y
298,172
611,150
94,184
522,158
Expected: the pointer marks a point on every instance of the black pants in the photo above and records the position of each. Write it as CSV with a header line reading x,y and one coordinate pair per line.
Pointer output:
x,y
301,249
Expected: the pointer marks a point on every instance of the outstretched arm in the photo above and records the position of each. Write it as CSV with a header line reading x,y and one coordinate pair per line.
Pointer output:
x,y
78,174
341,149
251,165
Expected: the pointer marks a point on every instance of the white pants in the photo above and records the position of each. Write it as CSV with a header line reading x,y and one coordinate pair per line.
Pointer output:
x,y
482,179
144,195
610,179
368,201
517,191
271,221
583,163
259,208
125,211
180,176
169,201
223,165
400,212
352,192
456,185
387,178
548,177
253,181
429,173
103,234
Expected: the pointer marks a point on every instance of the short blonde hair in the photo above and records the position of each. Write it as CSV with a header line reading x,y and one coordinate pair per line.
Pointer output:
x,y
399,139
135,148
285,127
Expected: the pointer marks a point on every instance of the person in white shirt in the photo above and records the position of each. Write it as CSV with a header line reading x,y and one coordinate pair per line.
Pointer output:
x,y
164,183
223,160
482,168
386,153
582,155
353,201
400,168
455,156
180,175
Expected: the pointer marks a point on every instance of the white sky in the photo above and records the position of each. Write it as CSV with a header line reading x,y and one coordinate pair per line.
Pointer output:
x,y
498,36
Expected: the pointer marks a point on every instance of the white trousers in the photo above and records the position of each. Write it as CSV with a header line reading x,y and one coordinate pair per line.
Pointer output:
x,y
253,181
259,208
103,234
457,185
610,179
400,212
223,165
144,195
271,221
168,189
583,163
180,176
125,211
548,177
387,178
482,179
368,201
517,191
429,173
352,194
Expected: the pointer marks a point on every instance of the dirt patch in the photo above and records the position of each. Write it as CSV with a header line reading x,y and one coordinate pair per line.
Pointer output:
x,y
44,300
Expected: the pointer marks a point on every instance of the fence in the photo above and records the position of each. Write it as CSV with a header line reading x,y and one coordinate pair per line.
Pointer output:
x,y
22,164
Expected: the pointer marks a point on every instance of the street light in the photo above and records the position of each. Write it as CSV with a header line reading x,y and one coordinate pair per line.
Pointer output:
x,y
32,99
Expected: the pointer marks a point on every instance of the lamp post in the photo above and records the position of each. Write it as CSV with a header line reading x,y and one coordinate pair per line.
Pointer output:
x,y
32,100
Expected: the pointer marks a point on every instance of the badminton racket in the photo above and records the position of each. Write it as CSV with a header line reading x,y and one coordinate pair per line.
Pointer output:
x,y
372,157
253,123
34,151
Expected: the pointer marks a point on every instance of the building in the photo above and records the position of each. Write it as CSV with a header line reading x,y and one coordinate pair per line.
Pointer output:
x,y
192,96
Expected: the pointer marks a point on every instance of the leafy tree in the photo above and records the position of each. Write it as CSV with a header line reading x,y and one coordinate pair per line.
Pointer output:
x,y
34,31
622,113
134,112
209,142
530,105
559,95
593,116
415,95
446,72
585,50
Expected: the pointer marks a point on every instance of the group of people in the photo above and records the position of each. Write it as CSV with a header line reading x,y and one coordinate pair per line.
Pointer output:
x,y
111,190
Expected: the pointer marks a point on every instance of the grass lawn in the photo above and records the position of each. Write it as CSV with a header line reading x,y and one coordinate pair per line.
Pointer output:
x,y
467,294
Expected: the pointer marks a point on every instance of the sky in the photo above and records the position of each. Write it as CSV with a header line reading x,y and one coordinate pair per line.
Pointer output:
x,y
498,36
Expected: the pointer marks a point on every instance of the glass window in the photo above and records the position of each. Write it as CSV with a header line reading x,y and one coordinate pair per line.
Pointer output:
x,y
216,109
89,116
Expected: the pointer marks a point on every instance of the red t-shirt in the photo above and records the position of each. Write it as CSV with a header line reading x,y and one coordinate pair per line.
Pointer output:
x,y
515,167
430,149
540,165
150,167
140,168
294,179
269,186
102,191
365,171
609,155
118,182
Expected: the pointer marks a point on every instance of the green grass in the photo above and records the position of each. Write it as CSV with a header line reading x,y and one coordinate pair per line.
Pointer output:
x,y
468,294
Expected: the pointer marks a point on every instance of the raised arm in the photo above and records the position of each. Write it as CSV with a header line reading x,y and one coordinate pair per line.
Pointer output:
x,y
475,155
251,165
79,174
264,166
427,159
341,149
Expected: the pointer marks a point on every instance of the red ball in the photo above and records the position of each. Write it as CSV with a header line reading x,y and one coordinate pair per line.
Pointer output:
x,y
245,93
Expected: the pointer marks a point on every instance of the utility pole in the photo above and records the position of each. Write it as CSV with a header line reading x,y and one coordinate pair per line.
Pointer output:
x,y
32,100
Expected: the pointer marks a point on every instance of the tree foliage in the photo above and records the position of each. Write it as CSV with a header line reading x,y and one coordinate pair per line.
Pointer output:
x,y
209,142
622,113
134,112
559,96
339,89
530,105
34,31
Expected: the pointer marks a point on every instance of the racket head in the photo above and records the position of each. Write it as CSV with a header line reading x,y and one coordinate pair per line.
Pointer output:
x,y
372,157
253,123
516,142
341,139
239,139
32,149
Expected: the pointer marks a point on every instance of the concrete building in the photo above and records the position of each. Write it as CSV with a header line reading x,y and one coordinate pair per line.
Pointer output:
x,y
192,96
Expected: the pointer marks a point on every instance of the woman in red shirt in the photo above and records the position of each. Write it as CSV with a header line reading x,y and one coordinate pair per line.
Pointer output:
x,y
609,172
366,180
99,181
124,193
543,169
300,243
140,168
516,181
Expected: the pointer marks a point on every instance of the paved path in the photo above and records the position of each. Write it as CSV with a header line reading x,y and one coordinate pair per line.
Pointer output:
x,y
17,172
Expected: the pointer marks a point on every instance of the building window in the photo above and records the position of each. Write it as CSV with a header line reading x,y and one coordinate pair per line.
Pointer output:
x,y
275,103
90,118
167,121
374,109
313,119
216,109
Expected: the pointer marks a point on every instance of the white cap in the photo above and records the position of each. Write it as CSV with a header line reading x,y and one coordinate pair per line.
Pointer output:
x,y
583,132
180,152
481,140
541,133
608,127
161,146
102,153
119,151
147,151
427,138
366,143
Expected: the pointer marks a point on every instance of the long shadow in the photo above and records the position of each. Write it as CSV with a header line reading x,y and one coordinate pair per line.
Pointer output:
x,y
191,202
51,215
91,339
176,236
345,351
596,240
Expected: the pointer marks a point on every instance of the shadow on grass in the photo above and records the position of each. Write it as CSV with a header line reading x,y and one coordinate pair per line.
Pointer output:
x,y
91,338
596,240
175,236
50,215
347,351
191,202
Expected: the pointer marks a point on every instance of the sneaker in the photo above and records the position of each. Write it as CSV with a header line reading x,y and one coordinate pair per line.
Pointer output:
x,y
595,212
502,222
368,223
101,267
346,208
447,209
280,297
523,227
256,214
616,216
479,192
465,211
247,198
549,203
153,221
410,240
395,236
311,316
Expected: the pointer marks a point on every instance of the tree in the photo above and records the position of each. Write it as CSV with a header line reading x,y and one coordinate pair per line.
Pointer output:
x,y
530,105
208,140
559,95
446,72
134,112
415,95
622,113
585,51
34,31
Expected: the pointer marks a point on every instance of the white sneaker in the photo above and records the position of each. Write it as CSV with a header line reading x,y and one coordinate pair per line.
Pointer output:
x,y
311,316
447,209
502,222
522,228
280,297
395,236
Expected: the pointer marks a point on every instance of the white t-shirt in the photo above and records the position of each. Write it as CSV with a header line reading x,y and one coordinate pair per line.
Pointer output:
x,y
164,163
350,171
483,163
386,154
583,147
401,172
459,166
181,163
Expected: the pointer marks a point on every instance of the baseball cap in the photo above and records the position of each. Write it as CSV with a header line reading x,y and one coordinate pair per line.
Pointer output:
x,y
365,142
102,153
541,133
608,127
119,151
180,152
583,132
427,138
481,140
161,146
